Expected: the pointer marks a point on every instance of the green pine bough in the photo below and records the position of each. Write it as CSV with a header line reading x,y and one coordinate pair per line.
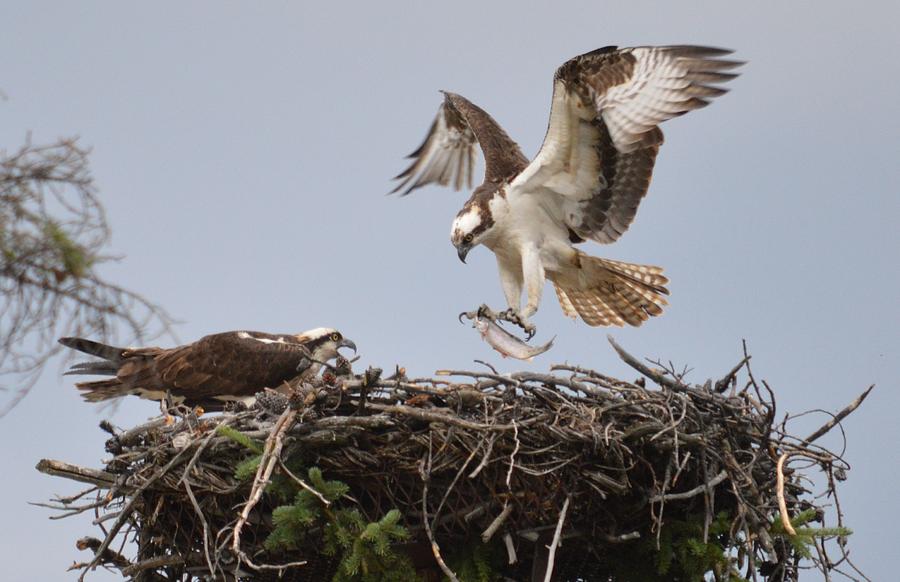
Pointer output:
x,y
364,549
805,537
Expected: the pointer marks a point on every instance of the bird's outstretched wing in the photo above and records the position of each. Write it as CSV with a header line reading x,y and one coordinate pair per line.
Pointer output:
x,y
448,153
597,157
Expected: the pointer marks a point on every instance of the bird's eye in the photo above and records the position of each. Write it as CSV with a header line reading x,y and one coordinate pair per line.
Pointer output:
x,y
468,238
335,337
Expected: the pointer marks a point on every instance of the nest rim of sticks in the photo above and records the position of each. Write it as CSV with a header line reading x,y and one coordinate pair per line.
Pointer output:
x,y
527,458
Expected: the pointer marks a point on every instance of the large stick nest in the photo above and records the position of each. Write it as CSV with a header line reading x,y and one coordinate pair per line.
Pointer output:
x,y
563,471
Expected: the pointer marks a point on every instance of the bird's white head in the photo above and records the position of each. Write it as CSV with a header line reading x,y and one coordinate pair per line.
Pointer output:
x,y
324,342
472,225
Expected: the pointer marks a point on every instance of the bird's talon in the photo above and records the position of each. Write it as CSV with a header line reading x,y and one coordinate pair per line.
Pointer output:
x,y
485,312
511,316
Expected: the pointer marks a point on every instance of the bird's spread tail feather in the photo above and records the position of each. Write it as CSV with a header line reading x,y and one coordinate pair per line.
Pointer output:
x,y
102,390
111,353
614,293
98,368
108,366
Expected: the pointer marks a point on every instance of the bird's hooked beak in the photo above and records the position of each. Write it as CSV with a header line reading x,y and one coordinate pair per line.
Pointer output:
x,y
461,251
346,343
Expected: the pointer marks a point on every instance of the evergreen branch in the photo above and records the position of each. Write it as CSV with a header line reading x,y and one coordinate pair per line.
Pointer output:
x,y
240,438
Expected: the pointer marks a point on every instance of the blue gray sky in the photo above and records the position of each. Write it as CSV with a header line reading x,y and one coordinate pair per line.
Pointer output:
x,y
243,154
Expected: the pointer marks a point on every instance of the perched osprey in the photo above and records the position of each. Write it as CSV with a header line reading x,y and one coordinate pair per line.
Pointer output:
x,y
218,368
586,181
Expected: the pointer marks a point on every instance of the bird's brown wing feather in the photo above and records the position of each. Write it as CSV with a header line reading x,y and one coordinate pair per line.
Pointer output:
x,y
217,365
597,158
447,156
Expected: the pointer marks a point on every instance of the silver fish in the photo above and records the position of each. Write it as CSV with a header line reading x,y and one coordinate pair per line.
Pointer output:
x,y
504,342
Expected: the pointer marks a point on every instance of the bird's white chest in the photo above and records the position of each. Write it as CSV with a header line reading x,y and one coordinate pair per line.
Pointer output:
x,y
525,227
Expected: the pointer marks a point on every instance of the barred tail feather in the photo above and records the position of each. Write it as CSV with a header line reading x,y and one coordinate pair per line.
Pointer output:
x,y
102,390
649,275
615,293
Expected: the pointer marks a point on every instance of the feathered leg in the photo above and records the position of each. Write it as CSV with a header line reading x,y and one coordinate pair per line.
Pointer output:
x,y
533,279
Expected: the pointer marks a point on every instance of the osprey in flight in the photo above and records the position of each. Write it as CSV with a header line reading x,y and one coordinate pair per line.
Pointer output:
x,y
586,181
218,368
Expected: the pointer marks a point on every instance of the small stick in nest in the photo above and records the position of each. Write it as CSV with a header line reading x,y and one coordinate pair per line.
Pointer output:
x,y
839,416
559,525
487,534
645,370
512,456
425,473
693,492
779,492
510,548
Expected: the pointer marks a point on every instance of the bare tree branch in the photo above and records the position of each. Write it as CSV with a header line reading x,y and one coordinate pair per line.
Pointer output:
x,y
53,237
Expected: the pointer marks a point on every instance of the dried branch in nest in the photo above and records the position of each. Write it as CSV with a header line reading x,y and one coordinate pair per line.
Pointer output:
x,y
53,235
568,475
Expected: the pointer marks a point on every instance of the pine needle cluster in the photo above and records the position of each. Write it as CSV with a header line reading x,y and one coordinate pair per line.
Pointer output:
x,y
804,540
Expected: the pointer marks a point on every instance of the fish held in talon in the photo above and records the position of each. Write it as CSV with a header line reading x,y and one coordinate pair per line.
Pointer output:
x,y
505,343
